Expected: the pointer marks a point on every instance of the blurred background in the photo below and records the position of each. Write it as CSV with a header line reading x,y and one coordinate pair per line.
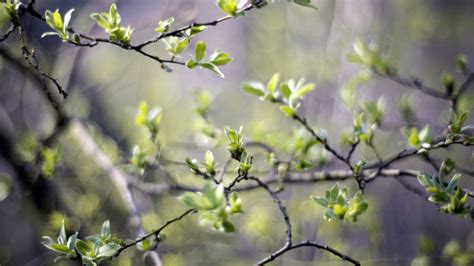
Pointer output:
x,y
106,85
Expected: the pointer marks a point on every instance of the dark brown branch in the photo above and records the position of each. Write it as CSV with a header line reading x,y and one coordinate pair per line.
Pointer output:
x,y
309,243
156,232
8,33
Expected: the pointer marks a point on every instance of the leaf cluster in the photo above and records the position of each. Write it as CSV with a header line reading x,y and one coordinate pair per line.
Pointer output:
x,y
212,208
339,206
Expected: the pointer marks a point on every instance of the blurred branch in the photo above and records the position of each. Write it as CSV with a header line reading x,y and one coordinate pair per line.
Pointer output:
x,y
414,83
7,34
293,178
463,89
89,145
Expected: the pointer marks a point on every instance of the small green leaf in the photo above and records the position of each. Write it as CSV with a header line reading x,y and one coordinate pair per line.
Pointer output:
x,y
101,21
424,180
213,68
253,88
302,91
273,83
462,118
285,90
181,46
321,201
228,227
229,7
163,26
61,248
287,110
453,183
108,250
220,58
62,234
83,248
200,51
305,3
106,230
235,203
72,241
413,138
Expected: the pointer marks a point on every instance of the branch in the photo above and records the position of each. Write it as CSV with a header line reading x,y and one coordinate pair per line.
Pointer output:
x,y
405,153
324,141
462,90
309,243
288,243
7,34
414,83
295,178
157,231
93,41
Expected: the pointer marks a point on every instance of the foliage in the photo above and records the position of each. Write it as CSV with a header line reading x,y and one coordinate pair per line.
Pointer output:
x,y
60,27
93,250
218,58
212,208
339,206
451,198
110,22
296,158
12,10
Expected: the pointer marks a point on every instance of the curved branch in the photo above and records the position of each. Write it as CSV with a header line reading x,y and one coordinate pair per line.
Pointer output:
x,y
309,243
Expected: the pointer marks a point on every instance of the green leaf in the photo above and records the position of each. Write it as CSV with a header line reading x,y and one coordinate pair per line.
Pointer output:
x,y
101,21
425,134
462,61
334,192
181,45
305,3
302,91
108,250
220,58
196,29
321,201
235,203
58,21
229,7
67,18
106,230
285,90
413,138
253,88
424,180
83,248
200,51
191,64
164,26
213,68
453,183
114,15
61,248
228,227
72,241
62,234
462,118
273,83
287,110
